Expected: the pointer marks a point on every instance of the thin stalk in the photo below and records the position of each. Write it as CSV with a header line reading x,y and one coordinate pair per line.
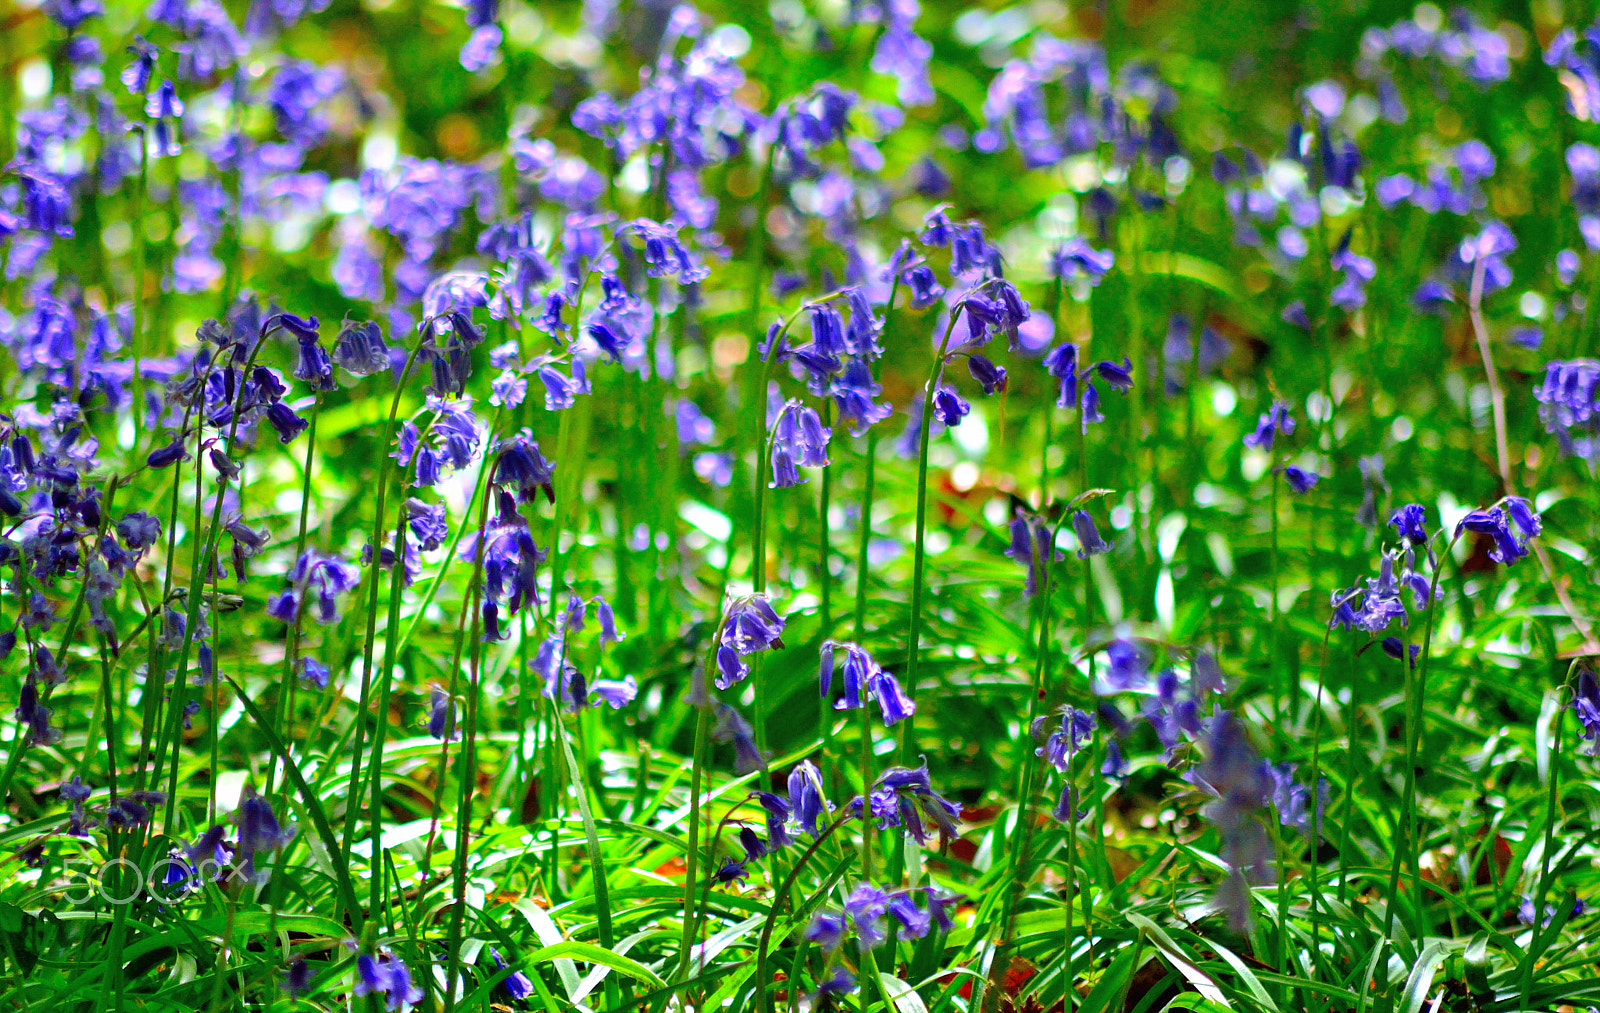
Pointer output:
x,y
702,733
919,552
1416,694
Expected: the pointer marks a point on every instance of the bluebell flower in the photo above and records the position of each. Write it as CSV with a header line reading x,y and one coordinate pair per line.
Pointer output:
x,y
861,672
166,109
839,982
1567,266
428,523
1358,270
360,349
136,75
1376,606
1089,541
1114,767
32,712
1487,251
442,715
258,831
1397,649
1496,523
312,672
865,907
1075,258
827,930
285,421
990,376
854,391
172,453
1127,669
798,438
948,406
327,576
521,465
1410,522
1077,729
1243,784
1206,674
1291,799
389,976
904,798
516,984
732,727
297,980
1585,704
1089,407
1061,362
71,14
1300,480
1066,809
925,287
1272,422
482,49
1030,544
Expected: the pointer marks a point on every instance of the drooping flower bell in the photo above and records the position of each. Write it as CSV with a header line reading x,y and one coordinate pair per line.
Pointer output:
x,y
861,673
749,626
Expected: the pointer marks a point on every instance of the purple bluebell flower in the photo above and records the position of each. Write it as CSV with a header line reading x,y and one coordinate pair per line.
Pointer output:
x,y
389,976
1585,704
482,49
172,453
328,576
827,930
1077,728
732,727
990,376
297,980
1243,786
1410,522
258,831
516,984
1089,541
312,672
521,465
1075,258
1496,523
1397,649
861,672
925,287
360,349
1273,421
166,110
798,438
1300,480
1114,767
442,715
948,406
32,712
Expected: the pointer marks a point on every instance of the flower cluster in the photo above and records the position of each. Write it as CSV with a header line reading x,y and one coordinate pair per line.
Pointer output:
x,y
749,626
862,675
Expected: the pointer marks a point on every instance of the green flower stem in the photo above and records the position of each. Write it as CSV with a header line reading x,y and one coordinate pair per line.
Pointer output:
x,y
285,710
1280,688
702,735
919,551
1416,695
758,559
764,944
386,436
466,756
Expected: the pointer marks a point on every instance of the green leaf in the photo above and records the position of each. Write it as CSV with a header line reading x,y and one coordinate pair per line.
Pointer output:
x,y
572,949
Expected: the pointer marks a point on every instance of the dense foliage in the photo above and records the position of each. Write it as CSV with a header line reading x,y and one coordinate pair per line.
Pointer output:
x,y
808,506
